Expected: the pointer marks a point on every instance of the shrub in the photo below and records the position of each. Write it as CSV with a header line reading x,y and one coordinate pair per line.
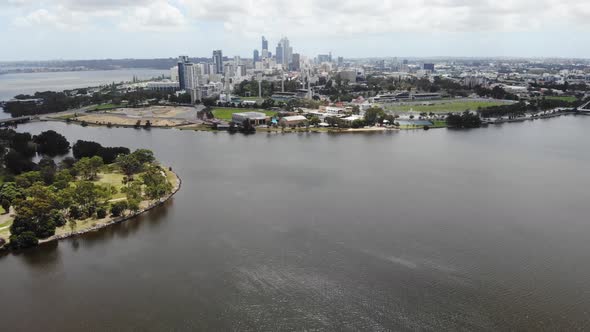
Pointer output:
x,y
118,208
75,212
101,213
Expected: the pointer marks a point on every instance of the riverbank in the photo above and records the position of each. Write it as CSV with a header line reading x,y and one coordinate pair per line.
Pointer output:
x,y
91,225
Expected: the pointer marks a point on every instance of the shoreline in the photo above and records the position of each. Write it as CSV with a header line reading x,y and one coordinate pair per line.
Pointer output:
x,y
109,221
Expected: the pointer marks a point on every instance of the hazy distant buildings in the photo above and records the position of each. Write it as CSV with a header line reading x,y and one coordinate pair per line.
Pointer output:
x,y
218,61
428,66
256,56
324,58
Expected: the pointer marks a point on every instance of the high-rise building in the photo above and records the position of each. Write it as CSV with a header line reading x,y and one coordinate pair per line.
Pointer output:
x,y
182,60
264,44
256,56
284,53
218,61
295,64
279,53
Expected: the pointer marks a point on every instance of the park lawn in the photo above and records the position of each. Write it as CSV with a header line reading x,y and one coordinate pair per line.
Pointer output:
x,y
225,113
569,99
446,107
112,180
438,123
5,228
106,106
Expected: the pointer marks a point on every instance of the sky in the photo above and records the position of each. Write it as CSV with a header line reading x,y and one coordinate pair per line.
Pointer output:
x,y
98,29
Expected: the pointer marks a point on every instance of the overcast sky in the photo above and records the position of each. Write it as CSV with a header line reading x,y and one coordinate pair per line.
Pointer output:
x,y
94,29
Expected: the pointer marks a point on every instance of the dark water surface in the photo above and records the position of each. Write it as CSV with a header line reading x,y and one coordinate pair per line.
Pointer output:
x,y
486,229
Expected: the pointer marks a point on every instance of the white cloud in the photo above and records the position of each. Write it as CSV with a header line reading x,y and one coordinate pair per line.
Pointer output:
x,y
311,17
342,17
157,16
130,15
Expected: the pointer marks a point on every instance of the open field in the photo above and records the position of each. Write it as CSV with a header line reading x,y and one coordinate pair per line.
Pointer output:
x,y
224,113
569,99
444,106
159,116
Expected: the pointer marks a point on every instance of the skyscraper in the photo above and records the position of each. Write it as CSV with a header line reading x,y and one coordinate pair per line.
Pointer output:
x,y
264,44
182,60
279,52
256,56
218,61
284,53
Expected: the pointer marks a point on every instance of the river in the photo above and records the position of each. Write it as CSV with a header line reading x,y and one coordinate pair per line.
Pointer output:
x,y
435,230
29,83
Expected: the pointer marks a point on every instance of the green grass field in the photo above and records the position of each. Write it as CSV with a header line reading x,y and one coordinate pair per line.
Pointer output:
x,y
112,180
445,106
569,99
224,113
106,106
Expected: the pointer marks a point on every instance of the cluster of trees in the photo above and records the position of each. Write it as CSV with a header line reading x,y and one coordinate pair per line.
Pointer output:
x,y
90,149
47,195
520,108
17,149
497,93
464,120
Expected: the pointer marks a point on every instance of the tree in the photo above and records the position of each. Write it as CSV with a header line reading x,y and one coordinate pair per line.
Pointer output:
x,y
156,183
23,240
144,155
373,114
118,208
88,196
465,120
11,192
17,163
88,167
6,205
51,143
129,164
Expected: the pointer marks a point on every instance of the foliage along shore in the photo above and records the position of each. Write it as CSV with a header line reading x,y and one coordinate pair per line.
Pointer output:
x,y
96,186
116,220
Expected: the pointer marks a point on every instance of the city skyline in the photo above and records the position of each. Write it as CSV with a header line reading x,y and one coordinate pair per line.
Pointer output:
x,y
67,29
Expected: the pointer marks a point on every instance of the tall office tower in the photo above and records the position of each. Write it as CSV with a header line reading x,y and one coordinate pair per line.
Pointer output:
x,y
218,61
182,60
264,44
284,52
237,61
190,76
279,52
295,64
256,56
